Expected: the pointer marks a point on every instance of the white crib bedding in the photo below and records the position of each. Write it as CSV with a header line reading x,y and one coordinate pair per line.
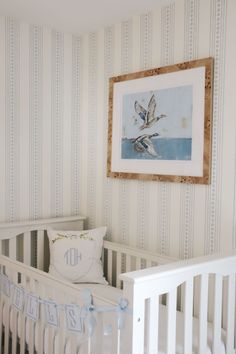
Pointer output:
x,y
180,333
113,294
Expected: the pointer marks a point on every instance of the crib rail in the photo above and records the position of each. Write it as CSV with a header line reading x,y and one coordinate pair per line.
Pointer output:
x,y
26,241
18,329
215,276
119,258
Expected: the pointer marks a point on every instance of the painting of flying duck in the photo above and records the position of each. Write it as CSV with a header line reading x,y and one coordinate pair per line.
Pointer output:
x,y
160,123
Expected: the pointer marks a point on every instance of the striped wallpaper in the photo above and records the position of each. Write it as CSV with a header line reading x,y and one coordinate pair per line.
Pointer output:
x,y
53,127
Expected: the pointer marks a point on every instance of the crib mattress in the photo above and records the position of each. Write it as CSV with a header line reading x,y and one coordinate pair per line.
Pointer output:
x,y
107,292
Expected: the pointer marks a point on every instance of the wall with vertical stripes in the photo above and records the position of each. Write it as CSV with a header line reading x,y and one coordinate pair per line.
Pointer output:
x,y
53,127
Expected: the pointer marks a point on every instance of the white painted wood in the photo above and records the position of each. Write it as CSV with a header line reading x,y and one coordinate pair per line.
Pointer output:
x,y
138,263
138,324
153,320
27,248
118,270
142,288
230,314
217,314
14,330
1,318
6,331
171,321
128,262
203,300
40,249
10,230
109,266
149,263
188,316
12,248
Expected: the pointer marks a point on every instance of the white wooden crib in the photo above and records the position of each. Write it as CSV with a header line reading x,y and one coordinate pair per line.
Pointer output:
x,y
173,306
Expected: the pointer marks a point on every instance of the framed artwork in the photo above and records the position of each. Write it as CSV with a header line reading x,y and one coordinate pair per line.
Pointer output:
x,y
160,123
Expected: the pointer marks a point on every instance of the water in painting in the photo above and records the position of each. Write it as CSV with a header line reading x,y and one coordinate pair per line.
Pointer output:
x,y
157,125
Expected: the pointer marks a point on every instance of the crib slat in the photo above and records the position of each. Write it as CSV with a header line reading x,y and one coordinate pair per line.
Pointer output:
x,y
230,324
6,332
109,266
203,299
12,248
138,263
153,316
31,336
14,330
41,323
22,333
40,249
171,321
128,263
188,316
118,269
217,314
50,340
27,248
1,318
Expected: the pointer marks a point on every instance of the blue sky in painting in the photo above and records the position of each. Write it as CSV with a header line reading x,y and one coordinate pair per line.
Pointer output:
x,y
175,102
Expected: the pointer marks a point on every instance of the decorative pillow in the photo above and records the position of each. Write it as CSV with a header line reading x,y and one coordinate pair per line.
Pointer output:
x,y
75,256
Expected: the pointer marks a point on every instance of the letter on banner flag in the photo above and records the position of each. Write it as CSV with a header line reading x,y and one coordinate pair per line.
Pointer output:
x,y
32,307
51,312
6,285
73,318
18,298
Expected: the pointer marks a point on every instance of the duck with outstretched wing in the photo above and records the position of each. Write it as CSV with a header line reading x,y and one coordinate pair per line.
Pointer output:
x,y
148,116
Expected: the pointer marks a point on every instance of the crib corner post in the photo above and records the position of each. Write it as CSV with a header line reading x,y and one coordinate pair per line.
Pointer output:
x,y
134,325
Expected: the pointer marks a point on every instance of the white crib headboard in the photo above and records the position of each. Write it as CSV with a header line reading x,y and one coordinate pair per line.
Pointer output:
x,y
26,241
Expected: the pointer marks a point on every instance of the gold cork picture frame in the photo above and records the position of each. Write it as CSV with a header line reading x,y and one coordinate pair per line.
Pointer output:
x,y
160,123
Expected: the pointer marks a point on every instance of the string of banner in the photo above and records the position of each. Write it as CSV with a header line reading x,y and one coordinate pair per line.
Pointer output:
x,y
76,316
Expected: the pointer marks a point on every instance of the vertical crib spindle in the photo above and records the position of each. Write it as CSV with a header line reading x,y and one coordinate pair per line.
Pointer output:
x,y
203,300
128,263
118,269
217,314
27,248
12,248
188,318
152,330
171,321
109,266
14,330
230,314
40,249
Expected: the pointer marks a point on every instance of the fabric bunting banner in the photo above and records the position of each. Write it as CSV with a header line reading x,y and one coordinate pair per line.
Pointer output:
x,y
75,315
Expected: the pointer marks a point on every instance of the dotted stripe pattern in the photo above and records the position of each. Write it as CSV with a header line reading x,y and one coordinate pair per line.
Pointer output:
x,y
76,123
143,187
126,65
57,123
191,29
108,71
12,119
186,244
167,57
36,104
92,128
213,210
